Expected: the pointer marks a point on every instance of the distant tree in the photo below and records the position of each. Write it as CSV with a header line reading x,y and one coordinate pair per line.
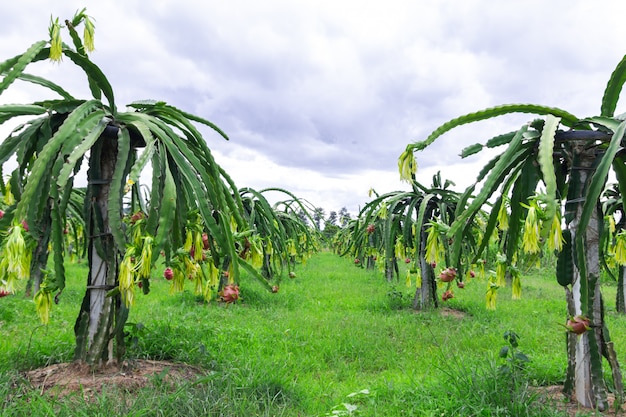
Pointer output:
x,y
330,230
318,216
304,218
344,217
332,218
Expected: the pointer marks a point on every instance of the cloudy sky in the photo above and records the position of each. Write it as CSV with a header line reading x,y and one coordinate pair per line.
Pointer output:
x,y
321,97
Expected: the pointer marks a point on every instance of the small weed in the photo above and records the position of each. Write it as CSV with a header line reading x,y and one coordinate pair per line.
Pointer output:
x,y
396,299
503,388
134,332
348,409
515,360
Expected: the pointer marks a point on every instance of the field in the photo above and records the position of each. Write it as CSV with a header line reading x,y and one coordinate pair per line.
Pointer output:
x,y
336,340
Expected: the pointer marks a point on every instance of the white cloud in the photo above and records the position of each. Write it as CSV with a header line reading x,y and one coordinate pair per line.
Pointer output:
x,y
320,97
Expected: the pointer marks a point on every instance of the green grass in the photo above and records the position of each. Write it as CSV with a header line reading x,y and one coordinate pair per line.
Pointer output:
x,y
334,331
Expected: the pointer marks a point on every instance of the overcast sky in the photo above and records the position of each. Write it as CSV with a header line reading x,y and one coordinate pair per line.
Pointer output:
x,y
321,97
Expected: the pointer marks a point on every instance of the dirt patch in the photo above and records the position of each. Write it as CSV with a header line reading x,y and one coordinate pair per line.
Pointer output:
x,y
66,378
450,312
554,395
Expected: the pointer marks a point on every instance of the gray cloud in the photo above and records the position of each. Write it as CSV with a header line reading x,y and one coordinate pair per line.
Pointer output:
x,y
339,88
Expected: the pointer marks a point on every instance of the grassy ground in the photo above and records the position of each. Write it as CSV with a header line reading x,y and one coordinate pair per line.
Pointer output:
x,y
337,340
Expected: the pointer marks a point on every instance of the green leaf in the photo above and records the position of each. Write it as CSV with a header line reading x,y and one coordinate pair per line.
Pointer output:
x,y
265,218
79,151
568,119
592,194
7,64
422,220
45,159
225,238
78,44
206,193
142,124
500,140
94,73
565,261
22,61
167,210
492,223
523,188
613,89
619,167
457,237
61,106
151,105
235,203
504,352
471,150
46,83
512,338
116,191
58,225
21,109
501,168
545,158
607,122
36,209
12,143
142,159
156,190
250,269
